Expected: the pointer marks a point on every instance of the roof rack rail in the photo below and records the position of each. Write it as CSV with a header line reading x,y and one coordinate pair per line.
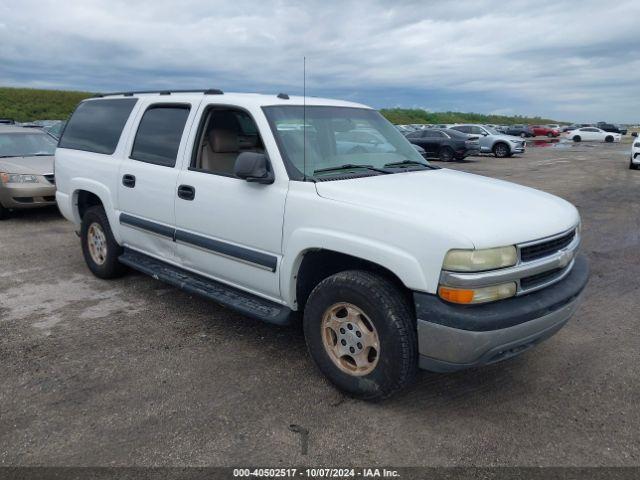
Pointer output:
x,y
208,91
283,96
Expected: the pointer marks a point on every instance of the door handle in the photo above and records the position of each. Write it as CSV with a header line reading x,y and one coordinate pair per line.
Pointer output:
x,y
186,192
129,181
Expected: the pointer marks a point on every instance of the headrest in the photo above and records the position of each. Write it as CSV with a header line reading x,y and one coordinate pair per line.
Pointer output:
x,y
223,141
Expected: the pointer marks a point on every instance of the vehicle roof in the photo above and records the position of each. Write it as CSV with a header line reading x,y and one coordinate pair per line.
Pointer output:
x,y
240,99
18,129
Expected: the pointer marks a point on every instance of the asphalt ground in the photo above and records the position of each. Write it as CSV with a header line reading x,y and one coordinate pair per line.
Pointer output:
x,y
134,372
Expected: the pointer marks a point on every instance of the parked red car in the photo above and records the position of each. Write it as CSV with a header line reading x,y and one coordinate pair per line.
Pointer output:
x,y
542,131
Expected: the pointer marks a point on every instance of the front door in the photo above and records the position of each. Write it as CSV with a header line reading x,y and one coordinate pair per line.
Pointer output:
x,y
227,228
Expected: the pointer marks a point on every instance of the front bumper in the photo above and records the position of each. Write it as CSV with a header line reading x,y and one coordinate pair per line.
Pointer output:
x,y
454,337
27,195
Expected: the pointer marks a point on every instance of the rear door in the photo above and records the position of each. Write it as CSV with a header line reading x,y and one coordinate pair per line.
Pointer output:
x,y
148,176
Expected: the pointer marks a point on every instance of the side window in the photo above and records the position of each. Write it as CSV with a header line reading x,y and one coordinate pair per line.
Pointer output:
x,y
159,134
477,130
96,125
224,134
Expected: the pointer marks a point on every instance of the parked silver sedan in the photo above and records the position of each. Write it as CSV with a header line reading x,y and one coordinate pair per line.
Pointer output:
x,y
26,169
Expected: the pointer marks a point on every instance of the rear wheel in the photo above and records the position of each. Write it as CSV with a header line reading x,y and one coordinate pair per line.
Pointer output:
x,y
523,135
99,247
361,334
446,154
501,150
577,138
550,134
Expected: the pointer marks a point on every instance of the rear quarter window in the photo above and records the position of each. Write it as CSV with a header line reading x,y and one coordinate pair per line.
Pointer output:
x,y
96,125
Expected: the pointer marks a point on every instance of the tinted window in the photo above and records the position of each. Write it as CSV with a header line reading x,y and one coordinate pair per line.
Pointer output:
x,y
455,133
159,135
96,125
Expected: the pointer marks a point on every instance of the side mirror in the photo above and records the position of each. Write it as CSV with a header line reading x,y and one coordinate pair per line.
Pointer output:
x,y
253,167
634,134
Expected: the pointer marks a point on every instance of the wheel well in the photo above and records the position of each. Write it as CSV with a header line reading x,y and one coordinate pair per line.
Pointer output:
x,y
86,200
320,264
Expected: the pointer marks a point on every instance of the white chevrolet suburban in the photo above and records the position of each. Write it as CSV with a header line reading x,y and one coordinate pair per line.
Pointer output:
x,y
275,207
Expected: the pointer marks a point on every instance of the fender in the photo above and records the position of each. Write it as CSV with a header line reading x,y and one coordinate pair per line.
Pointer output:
x,y
405,266
102,192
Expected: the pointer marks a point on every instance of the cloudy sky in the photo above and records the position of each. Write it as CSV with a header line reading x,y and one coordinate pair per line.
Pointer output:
x,y
567,60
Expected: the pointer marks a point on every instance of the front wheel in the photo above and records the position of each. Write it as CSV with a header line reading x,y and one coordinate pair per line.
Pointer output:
x,y
608,139
501,150
361,334
577,138
99,247
550,135
633,166
523,135
4,213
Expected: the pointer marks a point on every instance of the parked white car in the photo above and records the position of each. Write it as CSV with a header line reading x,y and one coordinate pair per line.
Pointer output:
x,y
391,263
634,161
592,134
492,141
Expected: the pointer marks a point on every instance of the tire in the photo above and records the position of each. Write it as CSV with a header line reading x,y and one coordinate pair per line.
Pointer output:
x,y
577,138
446,154
109,267
523,135
501,150
608,139
4,213
383,306
633,166
550,135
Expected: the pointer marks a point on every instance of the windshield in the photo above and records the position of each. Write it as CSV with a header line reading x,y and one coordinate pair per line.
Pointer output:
x,y
26,144
336,137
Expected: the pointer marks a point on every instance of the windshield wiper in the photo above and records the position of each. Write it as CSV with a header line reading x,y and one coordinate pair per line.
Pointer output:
x,y
348,166
406,162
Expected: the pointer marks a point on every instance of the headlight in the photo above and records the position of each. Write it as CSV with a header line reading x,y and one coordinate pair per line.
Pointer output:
x,y
18,178
477,295
480,260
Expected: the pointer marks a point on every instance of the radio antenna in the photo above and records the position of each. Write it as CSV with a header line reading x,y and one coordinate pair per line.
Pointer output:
x,y
304,118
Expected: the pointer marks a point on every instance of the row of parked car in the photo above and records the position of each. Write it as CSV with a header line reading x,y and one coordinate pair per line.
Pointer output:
x,y
52,127
449,142
525,131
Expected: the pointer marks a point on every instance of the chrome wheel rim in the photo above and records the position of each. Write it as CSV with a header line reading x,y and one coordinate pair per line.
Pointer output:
x,y
97,243
350,339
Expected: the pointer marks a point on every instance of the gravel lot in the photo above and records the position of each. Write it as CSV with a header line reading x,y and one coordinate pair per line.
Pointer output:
x,y
133,372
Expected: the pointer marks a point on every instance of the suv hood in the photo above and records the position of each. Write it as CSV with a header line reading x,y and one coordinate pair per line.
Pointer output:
x,y
27,165
485,211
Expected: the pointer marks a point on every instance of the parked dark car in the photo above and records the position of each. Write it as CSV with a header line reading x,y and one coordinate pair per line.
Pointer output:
x,y
610,127
7,121
519,131
445,144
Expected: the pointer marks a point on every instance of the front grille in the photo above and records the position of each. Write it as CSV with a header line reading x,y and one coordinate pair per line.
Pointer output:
x,y
535,280
51,178
543,249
